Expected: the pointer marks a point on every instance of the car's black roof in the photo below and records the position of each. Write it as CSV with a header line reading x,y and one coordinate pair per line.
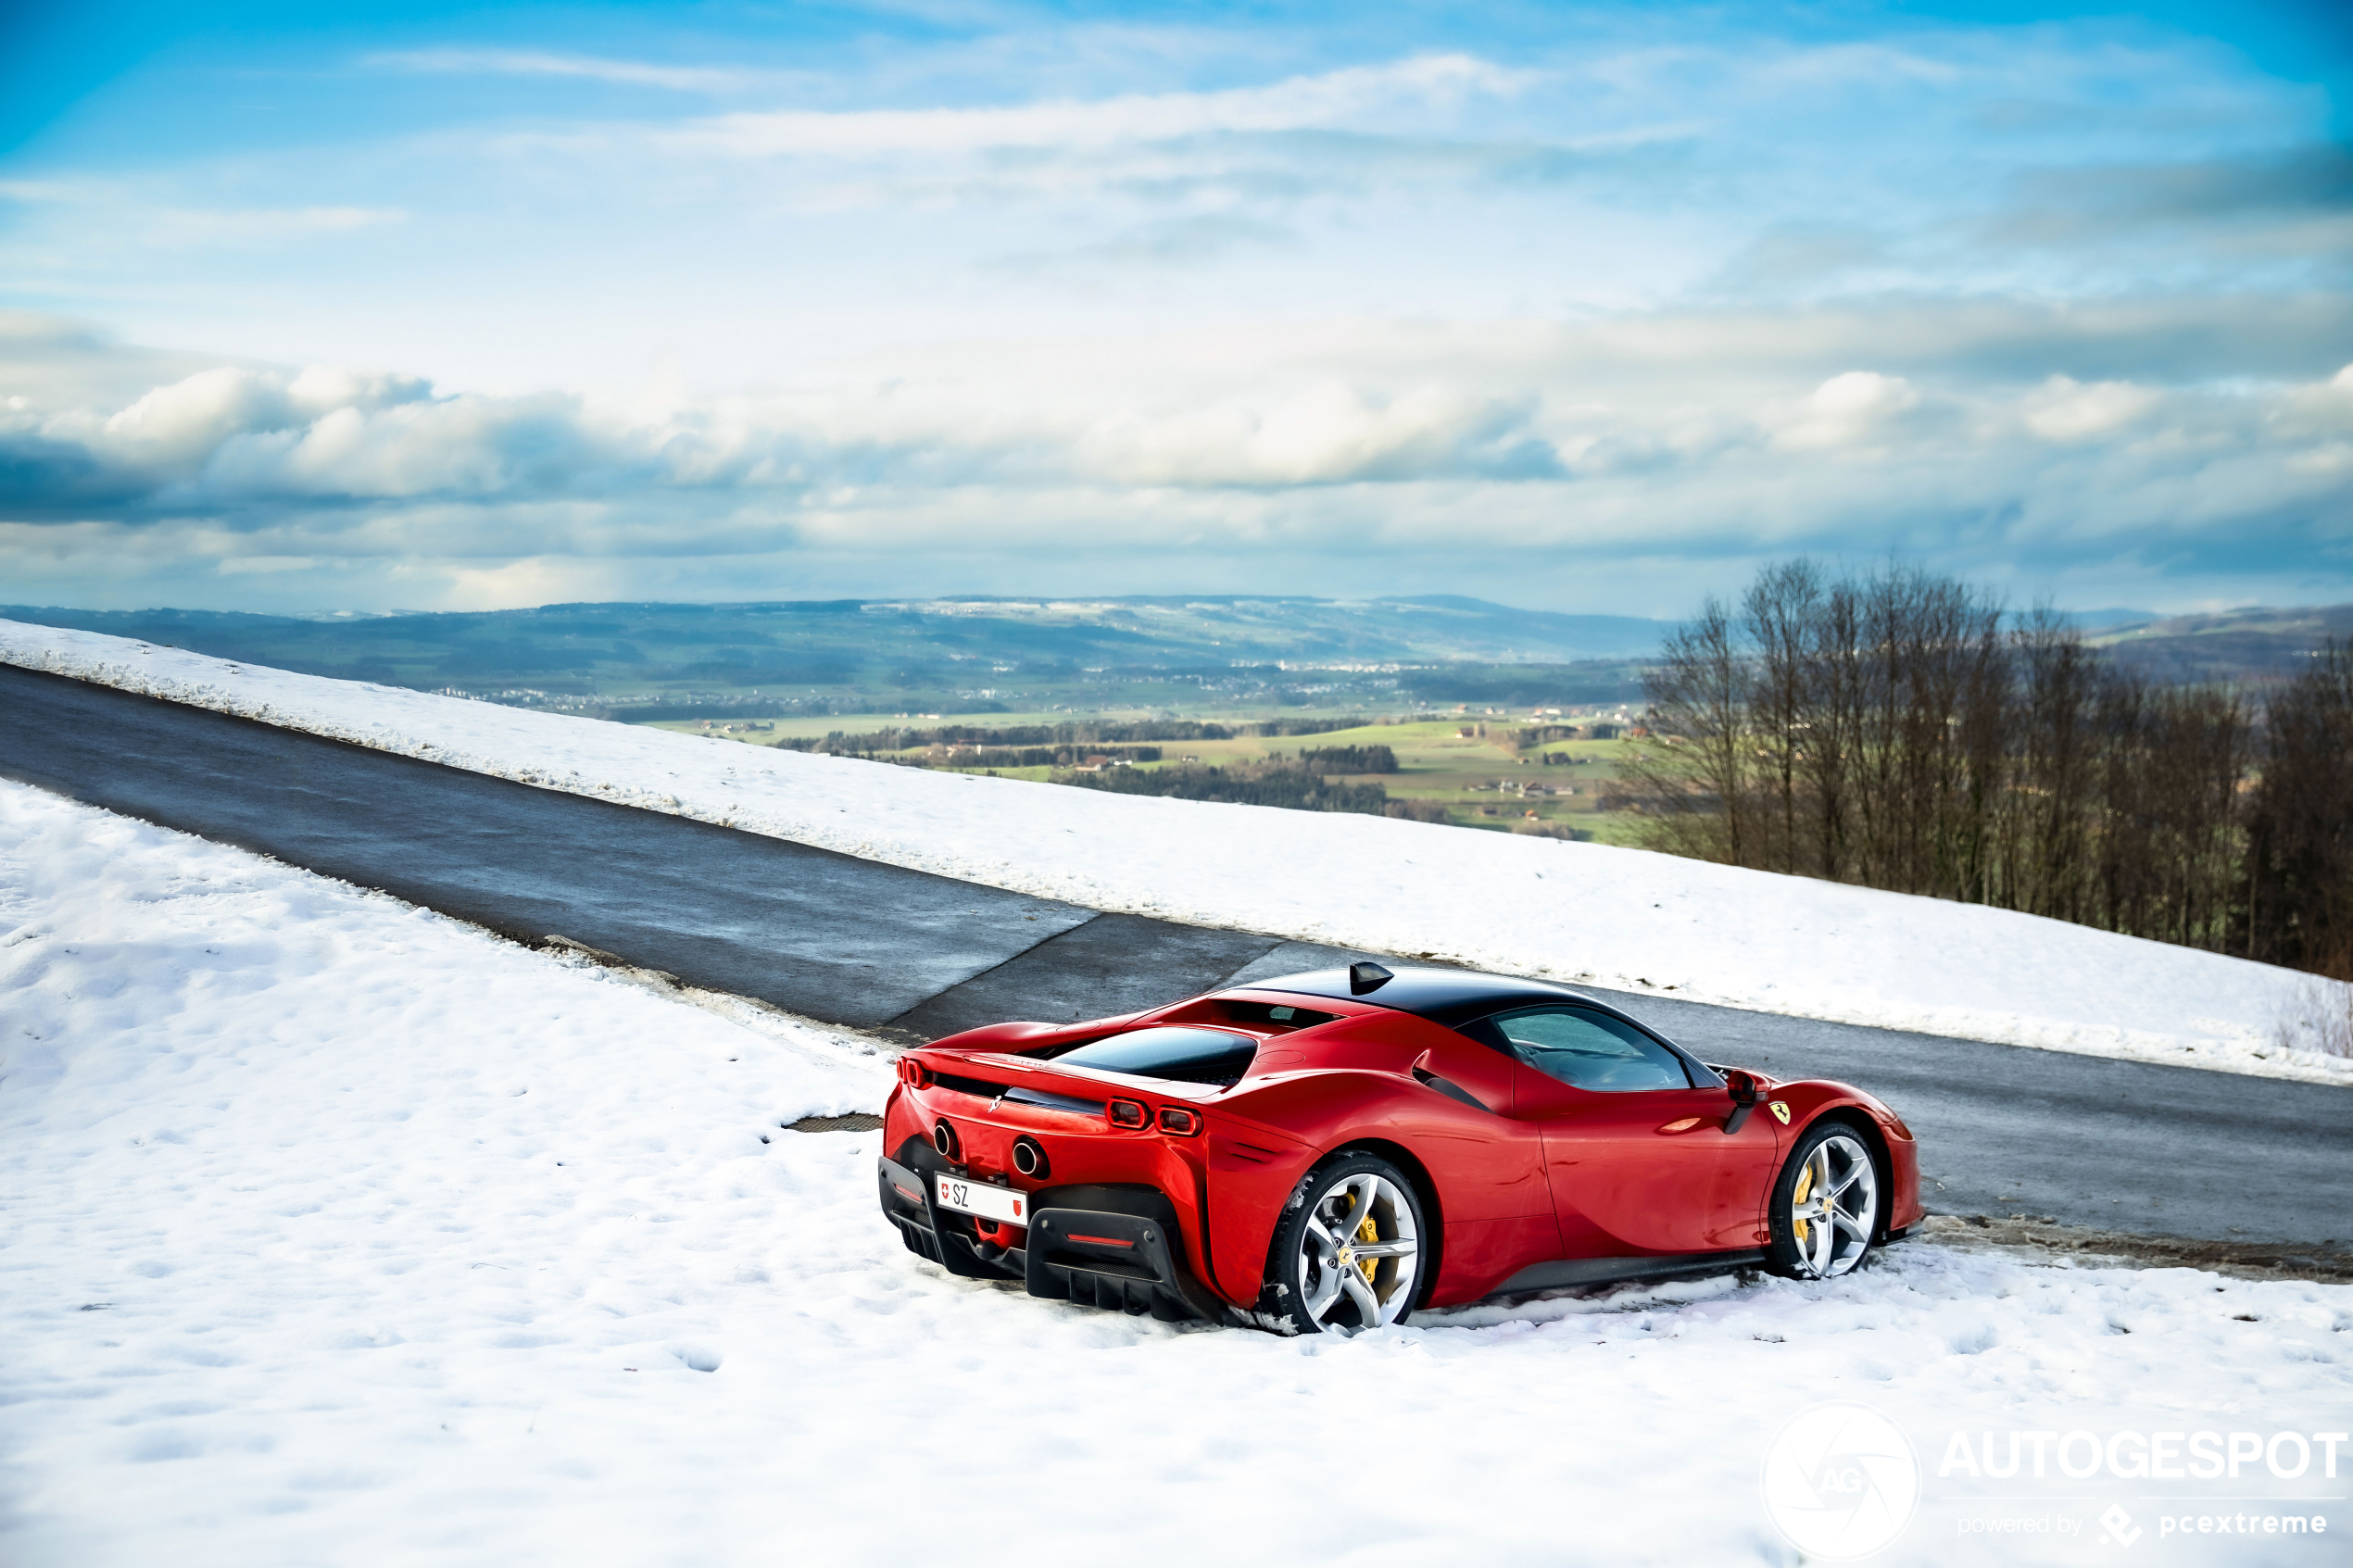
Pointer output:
x,y
1450,996
1455,998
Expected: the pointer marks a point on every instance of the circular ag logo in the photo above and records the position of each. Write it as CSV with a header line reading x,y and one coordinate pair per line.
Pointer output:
x,y
1840,1481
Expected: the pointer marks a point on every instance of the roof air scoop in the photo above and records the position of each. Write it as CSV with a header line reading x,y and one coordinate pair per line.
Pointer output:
x,y
1364,977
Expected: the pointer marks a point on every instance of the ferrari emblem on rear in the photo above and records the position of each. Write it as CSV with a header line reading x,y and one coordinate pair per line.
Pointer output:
x,y
1780,1110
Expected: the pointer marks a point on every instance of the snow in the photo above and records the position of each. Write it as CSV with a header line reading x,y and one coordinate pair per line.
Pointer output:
x,y
1575,912
339,1233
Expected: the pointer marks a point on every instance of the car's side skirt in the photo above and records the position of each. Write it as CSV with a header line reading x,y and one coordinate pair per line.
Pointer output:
x,y
1563,1272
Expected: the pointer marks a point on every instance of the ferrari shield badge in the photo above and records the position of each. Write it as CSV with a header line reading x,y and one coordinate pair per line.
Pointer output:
x,y
1780,1110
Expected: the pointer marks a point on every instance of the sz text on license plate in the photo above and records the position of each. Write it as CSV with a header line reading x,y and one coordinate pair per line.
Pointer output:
x,y
989,1202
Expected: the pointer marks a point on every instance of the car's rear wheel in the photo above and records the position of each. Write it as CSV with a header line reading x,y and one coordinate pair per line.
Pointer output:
x,y
1348,1253
1825,1207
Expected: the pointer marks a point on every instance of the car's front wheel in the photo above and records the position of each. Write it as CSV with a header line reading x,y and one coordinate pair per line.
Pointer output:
x,y
1825,1207
1348,1253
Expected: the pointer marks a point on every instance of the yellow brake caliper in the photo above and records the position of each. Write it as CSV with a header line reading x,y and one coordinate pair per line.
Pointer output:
x,y
1365,1230
1797,1200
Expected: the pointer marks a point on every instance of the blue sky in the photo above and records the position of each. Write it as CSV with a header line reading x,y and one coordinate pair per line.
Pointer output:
x,y
1584,307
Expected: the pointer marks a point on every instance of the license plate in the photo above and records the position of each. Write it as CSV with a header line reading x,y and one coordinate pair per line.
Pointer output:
x,y
998,1203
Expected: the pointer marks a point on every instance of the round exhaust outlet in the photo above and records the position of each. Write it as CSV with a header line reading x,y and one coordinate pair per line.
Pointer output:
x,y
943,1138
1028,1158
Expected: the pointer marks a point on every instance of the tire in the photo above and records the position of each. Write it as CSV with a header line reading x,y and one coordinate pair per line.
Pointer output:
x,y
1825,1206
1349,1250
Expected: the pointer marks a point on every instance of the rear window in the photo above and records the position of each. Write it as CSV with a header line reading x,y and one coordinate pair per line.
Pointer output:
x,y
1184,1056
1259,1018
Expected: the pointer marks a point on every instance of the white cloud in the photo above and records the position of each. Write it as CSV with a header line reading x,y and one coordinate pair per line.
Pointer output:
x,y
1299,103
187,421
250,227
1329,434
2067,410
1496,458
124,213
527,62
1850,409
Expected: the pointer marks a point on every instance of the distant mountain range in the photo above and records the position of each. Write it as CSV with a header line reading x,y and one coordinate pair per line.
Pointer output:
x,y
1430,627
2241,646
978,654
688,641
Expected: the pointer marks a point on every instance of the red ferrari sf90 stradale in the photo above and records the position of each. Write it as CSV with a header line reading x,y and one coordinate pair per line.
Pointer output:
x,y
1328,1151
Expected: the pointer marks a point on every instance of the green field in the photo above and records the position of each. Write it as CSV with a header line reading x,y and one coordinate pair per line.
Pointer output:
x,y
1482,780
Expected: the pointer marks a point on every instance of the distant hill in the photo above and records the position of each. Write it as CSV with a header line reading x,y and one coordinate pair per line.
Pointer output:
x,y
973,655
1540,634
1433,626
1190,629
2242,647
1198,652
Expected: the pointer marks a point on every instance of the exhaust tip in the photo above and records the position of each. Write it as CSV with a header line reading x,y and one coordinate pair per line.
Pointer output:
x,y
1028,1158
943,1138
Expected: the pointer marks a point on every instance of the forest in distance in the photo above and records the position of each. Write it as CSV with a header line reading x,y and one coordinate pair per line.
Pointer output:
x,y
1899,730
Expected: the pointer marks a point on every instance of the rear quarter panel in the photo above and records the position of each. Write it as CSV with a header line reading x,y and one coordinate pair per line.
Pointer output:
x,y
1487,1206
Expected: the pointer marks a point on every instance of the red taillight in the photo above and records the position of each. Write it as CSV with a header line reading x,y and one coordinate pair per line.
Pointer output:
x,y
1128,1113
913,1074
1177,1120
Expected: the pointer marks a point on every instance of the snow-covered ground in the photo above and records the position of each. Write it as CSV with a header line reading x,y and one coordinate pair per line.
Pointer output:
x,y
338,1233
1616,917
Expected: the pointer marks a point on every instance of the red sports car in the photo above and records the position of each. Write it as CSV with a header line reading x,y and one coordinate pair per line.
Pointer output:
x,y
1328,1151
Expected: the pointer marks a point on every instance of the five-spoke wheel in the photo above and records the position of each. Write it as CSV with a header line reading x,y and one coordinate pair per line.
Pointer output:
x,y
1825,1205
1348,1253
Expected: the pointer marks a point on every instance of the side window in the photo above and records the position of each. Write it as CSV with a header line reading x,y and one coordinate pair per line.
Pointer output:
x,y
1591,1050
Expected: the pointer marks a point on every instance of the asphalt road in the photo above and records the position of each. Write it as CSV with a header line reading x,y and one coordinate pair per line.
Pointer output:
x,y
2117,1146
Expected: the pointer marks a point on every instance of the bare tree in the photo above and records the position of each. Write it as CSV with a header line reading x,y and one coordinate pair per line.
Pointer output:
x,y
1779,612
1696,783
1932,689
1834,688
1900,731
2296,885
2049,809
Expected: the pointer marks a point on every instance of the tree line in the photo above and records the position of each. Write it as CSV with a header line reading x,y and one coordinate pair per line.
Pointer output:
x,y
1274,782
1106,735
1349,758
1900,730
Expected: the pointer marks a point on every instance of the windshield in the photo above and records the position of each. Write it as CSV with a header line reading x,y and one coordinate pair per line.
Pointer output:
x,y
1185,1056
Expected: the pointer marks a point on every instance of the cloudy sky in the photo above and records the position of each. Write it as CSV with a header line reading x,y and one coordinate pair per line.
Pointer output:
x,y
435,305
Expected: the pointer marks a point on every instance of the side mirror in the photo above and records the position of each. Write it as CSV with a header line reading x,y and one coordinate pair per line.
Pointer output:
x,y
1743,1087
